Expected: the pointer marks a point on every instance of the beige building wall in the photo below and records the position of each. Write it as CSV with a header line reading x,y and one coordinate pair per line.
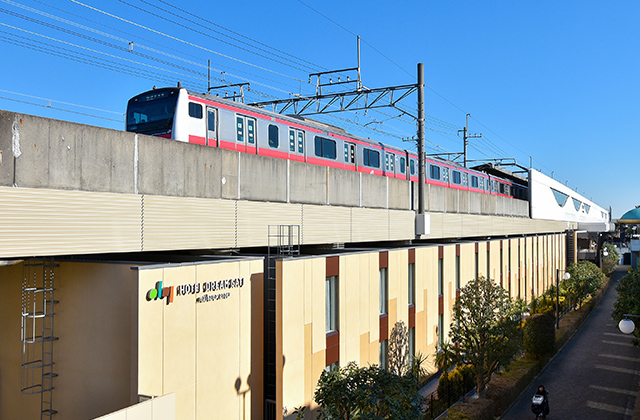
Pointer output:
x,y
161,408
95,353
205,342
304,342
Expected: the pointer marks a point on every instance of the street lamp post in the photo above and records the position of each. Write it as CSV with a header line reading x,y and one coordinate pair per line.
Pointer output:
x,y
565,276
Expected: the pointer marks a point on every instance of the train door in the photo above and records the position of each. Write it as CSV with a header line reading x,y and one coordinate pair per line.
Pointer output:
x,y
349,155
296,144
390,164
246,134
212,137
402,167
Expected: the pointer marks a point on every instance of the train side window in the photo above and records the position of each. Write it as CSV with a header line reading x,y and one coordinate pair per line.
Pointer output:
x,y
434,172
195,110
445,174
392,162
292,140
371,158
403,165
346,152
251,131
502,189
325,148
474,181
465,179
412,166
456,177
273,136
240,128
300,141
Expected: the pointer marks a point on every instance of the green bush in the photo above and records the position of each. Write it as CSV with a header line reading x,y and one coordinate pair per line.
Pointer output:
x,y
444,388
539,335
468,377
480,409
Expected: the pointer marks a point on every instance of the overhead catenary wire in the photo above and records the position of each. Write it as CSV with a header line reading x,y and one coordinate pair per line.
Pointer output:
x,y
272,52
61,109
124,41
185,42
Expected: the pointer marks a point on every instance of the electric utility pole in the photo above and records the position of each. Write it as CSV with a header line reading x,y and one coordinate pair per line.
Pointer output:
x,y
466,137
421,155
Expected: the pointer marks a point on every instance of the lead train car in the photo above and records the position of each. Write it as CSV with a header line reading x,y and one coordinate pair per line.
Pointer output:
x,y
186,116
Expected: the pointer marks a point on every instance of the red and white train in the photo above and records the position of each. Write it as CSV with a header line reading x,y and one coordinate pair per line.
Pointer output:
x,y
186,116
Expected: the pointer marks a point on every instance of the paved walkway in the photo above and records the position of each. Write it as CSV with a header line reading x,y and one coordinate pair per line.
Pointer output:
x,y
595,376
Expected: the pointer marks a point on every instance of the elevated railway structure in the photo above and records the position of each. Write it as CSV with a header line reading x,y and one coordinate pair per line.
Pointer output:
x,y
198,282
68,188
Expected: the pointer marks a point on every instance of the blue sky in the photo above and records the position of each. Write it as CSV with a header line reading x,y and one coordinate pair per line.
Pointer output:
x,y
551,82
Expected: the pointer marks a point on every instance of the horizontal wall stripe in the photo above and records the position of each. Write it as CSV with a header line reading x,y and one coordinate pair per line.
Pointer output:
x,y
60,222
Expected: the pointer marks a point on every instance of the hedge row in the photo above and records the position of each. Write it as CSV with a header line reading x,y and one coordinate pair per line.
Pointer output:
x,y
506,387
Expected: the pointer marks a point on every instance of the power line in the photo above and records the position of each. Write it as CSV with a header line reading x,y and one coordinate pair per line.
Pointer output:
x,y
280,54
183,41
61,109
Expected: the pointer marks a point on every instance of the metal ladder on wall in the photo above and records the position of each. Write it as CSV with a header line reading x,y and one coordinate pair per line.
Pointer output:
x,y
284,241
37,334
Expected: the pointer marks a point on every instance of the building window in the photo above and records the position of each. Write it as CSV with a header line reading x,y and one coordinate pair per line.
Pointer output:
x,y
412,343
440,277
488,263
383,354
412,284
195,110
384,291
457,272
273,136
477,264
371,158
331,307
333,366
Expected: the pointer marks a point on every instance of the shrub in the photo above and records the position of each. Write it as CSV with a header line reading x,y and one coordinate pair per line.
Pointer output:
x,y
539,335
444,388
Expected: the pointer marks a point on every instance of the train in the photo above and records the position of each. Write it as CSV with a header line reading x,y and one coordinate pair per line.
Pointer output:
x,y
183,115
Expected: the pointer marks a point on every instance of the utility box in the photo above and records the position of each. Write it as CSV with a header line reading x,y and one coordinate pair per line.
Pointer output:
x,y
423,224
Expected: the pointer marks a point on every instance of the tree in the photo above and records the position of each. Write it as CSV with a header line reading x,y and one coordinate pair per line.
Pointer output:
x,y
628,300
610,260
353,393
586,279
539,333
484,332
399,349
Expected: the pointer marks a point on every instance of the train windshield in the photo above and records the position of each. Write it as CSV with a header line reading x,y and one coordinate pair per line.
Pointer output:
x,y
152,112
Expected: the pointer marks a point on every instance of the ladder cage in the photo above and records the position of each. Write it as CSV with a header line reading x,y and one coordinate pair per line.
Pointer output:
x,y
283,241
37,332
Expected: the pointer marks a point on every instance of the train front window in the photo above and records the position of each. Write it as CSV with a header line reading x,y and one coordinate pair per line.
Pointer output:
x,y
152,111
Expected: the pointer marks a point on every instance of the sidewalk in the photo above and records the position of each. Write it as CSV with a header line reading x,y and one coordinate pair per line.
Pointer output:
x,y
595,376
